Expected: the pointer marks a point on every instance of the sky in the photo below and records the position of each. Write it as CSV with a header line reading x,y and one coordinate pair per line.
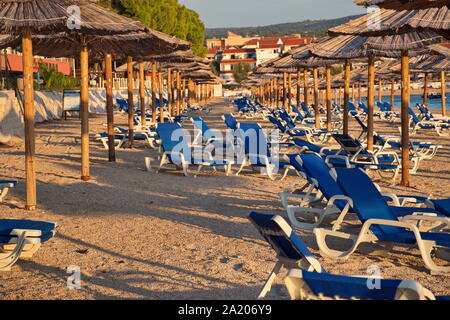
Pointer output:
x,y
252,13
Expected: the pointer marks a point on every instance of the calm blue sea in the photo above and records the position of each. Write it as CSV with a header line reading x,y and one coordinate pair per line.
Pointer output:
x,y
415,99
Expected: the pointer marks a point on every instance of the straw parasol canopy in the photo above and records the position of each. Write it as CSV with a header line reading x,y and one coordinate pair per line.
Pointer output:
x,y
402,4
54,16
182,56
388,21
351,47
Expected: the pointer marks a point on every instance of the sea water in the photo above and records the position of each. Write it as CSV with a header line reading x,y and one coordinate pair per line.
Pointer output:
x,y
435,104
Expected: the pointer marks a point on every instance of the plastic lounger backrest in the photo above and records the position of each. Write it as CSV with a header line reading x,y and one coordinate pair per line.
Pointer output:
x,y
230,121
350,144
368,202
305,109
387,106
277,232
200,125
277,122
316,168
351,107
172,136
348,287
255,141
413,115
361,123
303,143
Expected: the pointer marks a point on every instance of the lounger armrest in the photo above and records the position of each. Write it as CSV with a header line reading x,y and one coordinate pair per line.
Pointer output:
x,y
393,197
311,197
26,232
330,148
422,216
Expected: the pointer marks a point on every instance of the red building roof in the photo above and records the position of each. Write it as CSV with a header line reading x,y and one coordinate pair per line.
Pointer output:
x,y
231,61
242,50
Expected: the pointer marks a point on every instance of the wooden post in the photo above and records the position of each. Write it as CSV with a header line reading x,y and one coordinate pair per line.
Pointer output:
x,y
161,97
154,85
29,113
443,93
392,92
299,88
109,108
425,88
174,89
306,86
380,89
353,93
289,92
169,91
346,95
370,101
84,112
328,75
284,90
179,93
142,92
277,93
405,118
130,101
359,92
316,97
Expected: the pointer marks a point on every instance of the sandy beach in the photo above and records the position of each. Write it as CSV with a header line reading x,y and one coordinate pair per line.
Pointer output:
x,y
147,235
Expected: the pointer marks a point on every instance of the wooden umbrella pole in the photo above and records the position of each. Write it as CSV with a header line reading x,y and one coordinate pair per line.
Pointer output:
x,y
277,93
130,102
109,108
28,103
299,88
359,92
142,92
161,97
405,118
289,92
179,93
353,92
380,89
305,87
328,75
425,88
154,85
183,91
316,97
443,93
284,90
346,95
370,101
174,89
392,92
84,112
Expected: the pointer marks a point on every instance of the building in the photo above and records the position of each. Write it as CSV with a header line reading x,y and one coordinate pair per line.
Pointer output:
x,y
229,58
234,49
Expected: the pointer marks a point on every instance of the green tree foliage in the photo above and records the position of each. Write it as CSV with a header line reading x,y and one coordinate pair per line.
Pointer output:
x,y
240,72
55,80
167,16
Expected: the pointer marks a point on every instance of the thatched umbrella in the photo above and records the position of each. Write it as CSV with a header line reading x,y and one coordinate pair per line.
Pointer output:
x,y
412,16
348,47
83,18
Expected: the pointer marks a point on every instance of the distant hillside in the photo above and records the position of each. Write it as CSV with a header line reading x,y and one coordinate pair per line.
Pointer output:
x,y
306,28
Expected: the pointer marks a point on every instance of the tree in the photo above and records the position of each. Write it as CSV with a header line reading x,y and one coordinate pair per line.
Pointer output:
x,y
240,72
167,16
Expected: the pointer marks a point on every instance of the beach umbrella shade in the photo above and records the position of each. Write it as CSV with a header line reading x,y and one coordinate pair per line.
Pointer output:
x,y
395,46
411,16
25,17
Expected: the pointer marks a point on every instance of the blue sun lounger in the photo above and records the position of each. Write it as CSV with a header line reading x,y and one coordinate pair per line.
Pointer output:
x,y
177,150
306,285
21,239
442,128
230,121
381,223
5,185
317,172
207,136
254,151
